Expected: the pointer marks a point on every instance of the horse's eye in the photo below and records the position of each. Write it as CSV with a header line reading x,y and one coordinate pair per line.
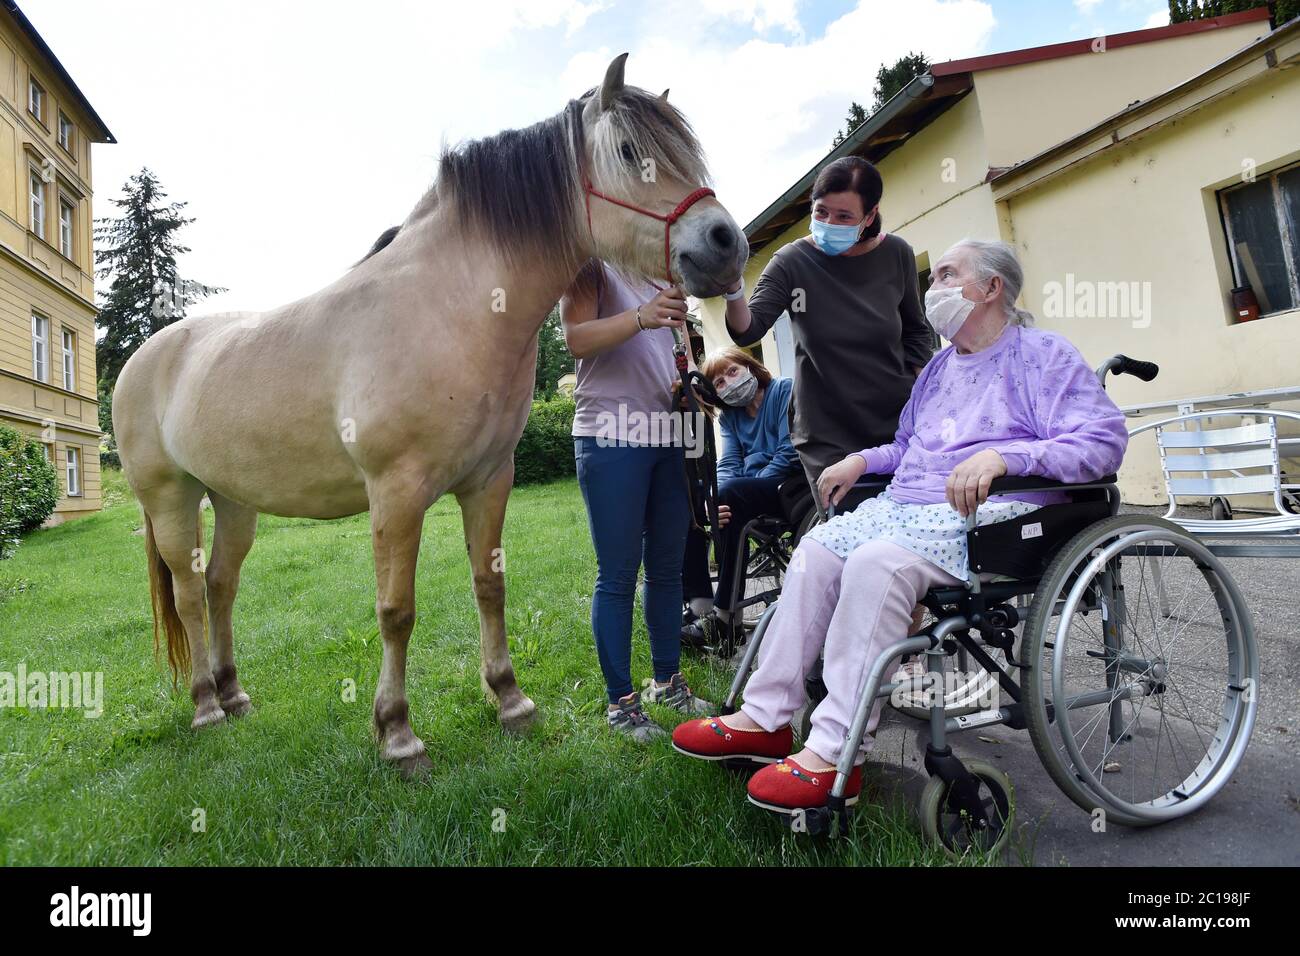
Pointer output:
x,y
629,157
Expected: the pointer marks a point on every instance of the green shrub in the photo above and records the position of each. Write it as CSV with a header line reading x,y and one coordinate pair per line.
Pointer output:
x,y
545,451
29,488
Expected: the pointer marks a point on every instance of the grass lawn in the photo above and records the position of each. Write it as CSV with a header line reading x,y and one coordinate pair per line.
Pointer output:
x,y
299,781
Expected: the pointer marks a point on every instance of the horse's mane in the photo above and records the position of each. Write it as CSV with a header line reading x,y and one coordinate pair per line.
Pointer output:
x,y
521,187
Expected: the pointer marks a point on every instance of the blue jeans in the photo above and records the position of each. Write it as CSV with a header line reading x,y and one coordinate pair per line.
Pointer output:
x,y
638,512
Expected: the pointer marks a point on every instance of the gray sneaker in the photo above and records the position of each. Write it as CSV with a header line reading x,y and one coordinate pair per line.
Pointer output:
x,y
678,696
630,719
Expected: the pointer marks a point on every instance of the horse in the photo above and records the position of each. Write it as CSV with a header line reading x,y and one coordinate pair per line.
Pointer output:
x,y
409,377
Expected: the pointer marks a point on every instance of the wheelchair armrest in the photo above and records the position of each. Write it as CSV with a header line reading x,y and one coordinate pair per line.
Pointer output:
x,y
1009,483
878,482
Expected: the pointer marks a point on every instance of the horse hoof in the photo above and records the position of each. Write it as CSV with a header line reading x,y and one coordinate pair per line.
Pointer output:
x,y
237,706
518,716
416,765
207,716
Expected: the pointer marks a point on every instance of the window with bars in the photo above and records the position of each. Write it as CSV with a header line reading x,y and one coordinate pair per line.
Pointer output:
x,y
1260,223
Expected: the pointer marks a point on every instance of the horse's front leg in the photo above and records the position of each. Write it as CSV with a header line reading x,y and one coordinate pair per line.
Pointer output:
x,y
396,519
483,512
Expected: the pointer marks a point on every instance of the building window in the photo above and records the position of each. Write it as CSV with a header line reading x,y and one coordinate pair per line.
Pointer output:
x,y
73,472
67,214
65,133
36,100
69,360
37,187
40,348
1260,222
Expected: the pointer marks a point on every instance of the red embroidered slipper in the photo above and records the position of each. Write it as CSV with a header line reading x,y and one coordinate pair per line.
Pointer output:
x,y
785,787
711,739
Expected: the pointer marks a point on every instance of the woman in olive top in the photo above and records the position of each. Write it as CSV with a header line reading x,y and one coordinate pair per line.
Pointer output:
x,y
860,335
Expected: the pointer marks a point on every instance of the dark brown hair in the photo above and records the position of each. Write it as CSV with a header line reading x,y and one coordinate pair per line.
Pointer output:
x,y
852,174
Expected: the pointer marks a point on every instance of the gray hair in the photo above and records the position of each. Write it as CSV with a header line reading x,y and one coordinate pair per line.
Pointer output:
x,y
988,258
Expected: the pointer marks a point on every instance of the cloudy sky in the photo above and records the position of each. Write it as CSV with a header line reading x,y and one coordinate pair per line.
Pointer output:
x,y
298,131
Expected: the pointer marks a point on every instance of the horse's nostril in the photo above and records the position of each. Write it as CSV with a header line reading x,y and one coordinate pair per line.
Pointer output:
x,y
722,238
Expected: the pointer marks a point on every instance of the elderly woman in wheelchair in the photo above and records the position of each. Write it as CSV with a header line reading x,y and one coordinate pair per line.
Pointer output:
x,y
1005,399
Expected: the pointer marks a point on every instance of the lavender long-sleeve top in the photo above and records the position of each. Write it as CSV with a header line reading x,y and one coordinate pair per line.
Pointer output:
x,y
1030,396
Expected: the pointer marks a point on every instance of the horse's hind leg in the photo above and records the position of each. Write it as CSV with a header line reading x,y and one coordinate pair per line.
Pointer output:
x,y
173,510
236,527
483,512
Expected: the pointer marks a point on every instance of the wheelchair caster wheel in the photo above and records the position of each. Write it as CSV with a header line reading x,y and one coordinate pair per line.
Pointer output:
x,y
1220,509
815,821
952,828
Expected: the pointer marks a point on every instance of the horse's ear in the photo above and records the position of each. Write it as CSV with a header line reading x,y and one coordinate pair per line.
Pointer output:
x,y
664,96
613,84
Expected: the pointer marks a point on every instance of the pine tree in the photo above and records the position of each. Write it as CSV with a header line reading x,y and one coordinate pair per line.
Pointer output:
x,y
891,79
1180,11
857,116
138,250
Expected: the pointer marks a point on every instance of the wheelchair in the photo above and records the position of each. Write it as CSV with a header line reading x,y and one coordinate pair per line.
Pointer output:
x,y
767,543
1119,642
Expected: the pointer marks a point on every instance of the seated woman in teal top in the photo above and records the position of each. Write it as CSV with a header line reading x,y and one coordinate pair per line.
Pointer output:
x,y
757,456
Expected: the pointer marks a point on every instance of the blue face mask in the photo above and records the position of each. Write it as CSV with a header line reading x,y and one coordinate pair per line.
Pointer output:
x,y
834,240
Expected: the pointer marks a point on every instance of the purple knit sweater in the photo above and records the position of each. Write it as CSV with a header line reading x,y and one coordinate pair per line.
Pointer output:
x,y
1029,396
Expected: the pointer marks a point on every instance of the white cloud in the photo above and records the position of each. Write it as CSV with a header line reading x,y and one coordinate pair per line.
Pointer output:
x,y
1087,6
1158,18
298,133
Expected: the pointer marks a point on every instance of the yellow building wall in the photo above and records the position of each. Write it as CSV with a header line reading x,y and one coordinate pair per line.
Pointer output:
x,y
36,276
935,193
1146,212
1028,107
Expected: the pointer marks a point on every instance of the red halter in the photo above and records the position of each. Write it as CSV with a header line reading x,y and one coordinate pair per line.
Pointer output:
x,y
668,220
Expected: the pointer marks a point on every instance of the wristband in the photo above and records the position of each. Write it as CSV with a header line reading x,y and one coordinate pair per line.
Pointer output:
x,y
738,294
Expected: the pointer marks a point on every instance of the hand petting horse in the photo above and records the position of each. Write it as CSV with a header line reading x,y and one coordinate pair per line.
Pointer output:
x,y
408,377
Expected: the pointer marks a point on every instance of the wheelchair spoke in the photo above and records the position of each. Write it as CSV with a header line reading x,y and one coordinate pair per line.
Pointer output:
x,y
1148,710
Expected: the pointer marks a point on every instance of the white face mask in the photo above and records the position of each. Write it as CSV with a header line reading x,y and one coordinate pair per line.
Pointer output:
x,y
740,392
947,310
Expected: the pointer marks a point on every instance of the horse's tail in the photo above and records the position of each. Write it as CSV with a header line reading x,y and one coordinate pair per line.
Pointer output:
x,y
163,598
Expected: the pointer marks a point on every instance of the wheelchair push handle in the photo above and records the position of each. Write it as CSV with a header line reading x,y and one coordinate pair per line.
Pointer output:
x,y
1123,365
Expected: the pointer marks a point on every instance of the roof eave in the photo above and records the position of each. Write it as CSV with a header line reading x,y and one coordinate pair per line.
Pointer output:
x,y
105,135
858,140
1003,181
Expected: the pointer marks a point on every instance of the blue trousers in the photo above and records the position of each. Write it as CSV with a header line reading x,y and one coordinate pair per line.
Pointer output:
x,y
638,511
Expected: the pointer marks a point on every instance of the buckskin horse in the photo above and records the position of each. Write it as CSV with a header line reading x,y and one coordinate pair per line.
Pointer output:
x,y
412,376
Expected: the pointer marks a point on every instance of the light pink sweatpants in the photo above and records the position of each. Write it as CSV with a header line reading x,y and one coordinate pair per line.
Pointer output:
x,y
848,609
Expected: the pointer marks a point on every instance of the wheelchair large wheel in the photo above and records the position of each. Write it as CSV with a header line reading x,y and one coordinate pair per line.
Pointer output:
x,y
1141,692
949,828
